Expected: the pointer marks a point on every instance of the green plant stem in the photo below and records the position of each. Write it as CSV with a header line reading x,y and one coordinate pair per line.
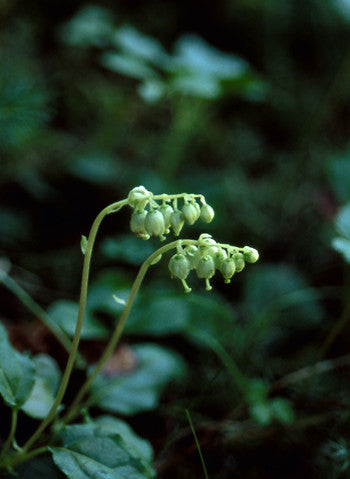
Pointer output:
x,y
29,455
197,444
75,406
75,343
37,310
11,435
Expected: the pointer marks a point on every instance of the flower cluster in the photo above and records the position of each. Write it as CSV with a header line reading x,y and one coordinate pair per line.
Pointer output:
x,y
156,215
206,256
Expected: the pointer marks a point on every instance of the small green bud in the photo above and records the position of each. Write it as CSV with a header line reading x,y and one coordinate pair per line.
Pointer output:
x,y
198,208
154,223
239,260
189,213
206,269
138,197
177,221
207,213
137,224
208,246
251,255
228,268
166,211
179,267
219,256
192,255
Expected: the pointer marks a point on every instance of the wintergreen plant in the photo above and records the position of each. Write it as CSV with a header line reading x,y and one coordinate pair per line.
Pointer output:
x,y
81,447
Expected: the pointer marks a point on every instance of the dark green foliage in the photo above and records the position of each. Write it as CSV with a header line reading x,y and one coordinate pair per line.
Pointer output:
x,y
245,102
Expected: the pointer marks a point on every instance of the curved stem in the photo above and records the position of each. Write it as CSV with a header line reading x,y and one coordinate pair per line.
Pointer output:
x,y
10,438
29,455
74,408
75,343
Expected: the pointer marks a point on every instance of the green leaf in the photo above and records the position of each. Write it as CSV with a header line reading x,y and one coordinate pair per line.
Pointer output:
x,y
140,389
46,383
143,46
338,175
196,316
16,373
262,413
110,283
136,445
127,65
342,245
127,248
282,410
342,225
96,168
65,314
342,221
257,391
91,26
90,451
196,55
196,85
152,90
281,291
167,313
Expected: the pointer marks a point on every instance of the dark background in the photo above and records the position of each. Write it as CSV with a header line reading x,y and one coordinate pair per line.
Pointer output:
x,y
270,151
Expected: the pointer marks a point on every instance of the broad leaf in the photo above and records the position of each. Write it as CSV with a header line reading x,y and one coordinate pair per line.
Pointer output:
x,y
127,248
143,46
65,314
91,26
102,292
342,245
137,446
196,55
195,315
140,389
17,373
342,221
46,383
127,65
342,225
90,451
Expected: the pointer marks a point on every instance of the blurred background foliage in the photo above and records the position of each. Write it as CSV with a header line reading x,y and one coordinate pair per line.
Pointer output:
x,y
247,102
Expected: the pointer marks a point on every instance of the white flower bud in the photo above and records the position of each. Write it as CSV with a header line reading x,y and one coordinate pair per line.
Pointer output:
x,y
207,213
179,267
177,221
219,256
154,223
137,224
251,255
206,269
197,207
189,213
138,197
166,211
239,260
192,255
228,268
